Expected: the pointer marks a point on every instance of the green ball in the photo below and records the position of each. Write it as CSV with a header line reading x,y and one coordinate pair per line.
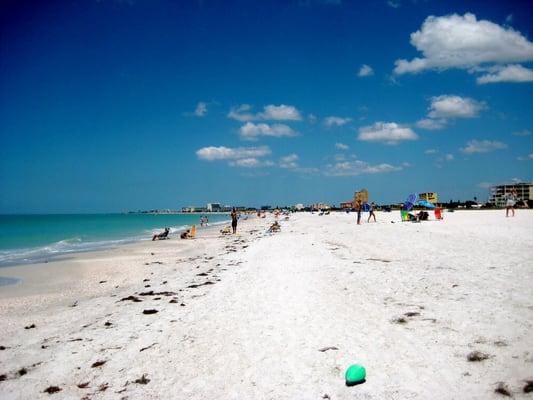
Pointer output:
x,y
355,374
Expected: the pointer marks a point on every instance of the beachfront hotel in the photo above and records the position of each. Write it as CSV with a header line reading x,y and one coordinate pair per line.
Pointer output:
x,y
524,191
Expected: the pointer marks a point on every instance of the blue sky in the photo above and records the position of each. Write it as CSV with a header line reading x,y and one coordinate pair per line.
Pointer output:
x,y
117,105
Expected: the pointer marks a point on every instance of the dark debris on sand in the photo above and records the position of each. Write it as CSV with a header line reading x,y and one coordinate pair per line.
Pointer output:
x,y
150,311
143,380
30,326
83,385
528,388
399,320
98,364
503,389
131,298
52,389
477,356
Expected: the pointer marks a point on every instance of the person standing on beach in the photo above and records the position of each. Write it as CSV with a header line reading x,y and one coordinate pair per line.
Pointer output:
x,y
359,209
234,221
510,202
372,214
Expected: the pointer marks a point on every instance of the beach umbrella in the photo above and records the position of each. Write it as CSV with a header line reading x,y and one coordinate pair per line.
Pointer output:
x,y
410,202
425,203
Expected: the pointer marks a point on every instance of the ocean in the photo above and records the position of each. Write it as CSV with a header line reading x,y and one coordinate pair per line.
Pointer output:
x,y
36,238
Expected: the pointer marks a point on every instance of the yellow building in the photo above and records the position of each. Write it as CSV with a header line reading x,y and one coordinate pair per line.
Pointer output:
x,y
429,196
361,196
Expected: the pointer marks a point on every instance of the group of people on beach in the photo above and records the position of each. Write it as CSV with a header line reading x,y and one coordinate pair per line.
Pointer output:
x,y
359,210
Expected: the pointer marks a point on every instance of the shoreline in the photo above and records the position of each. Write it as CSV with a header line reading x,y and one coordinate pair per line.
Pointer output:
x,y
282,315
91,246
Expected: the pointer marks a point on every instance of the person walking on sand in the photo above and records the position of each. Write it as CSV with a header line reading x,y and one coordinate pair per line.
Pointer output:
x,y
371,210
234,221
510,202
359,209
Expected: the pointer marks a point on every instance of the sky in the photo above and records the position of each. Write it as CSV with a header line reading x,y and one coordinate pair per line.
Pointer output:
x,y
109,106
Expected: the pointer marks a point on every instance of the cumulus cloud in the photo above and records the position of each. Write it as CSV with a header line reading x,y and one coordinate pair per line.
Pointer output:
x,y
201,109
449,157
365,70
528,157
386,132
341,146
393,4
431,151
445,107
523,132
509,73
251,131
281,113
482,146
250,163
241,113
450,106
358,167
270,112
455,41
212,153
290,161
336,121
431,124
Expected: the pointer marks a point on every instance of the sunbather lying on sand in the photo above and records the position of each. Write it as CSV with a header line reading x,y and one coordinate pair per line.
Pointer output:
x,y
275,227
226,230
161,236
186,234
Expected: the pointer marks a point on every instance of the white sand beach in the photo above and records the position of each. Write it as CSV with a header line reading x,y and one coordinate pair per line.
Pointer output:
x,y
246,316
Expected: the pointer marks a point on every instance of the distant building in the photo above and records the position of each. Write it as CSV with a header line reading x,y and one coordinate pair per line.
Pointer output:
x,y
214,207
361,196
429,196
346,204
320,206
524,191
299,207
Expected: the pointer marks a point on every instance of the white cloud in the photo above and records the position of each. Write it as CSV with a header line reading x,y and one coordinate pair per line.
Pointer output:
x,y
358,167
250,163
270,112
241,113
482,146
365,70
431,124
341,146
509,73
387,132
336,121
528,157
523,132
509,18
485,185
280,113
290,161
431,151
201,109
251,131
451,106
449,157
312,118
393,4
456,41
212,153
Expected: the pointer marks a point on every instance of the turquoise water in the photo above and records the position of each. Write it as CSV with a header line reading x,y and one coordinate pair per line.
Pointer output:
x,y
34,238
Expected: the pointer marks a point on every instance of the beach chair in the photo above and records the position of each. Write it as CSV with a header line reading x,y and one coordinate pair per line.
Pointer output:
x,y
405,215
226,230
438,213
